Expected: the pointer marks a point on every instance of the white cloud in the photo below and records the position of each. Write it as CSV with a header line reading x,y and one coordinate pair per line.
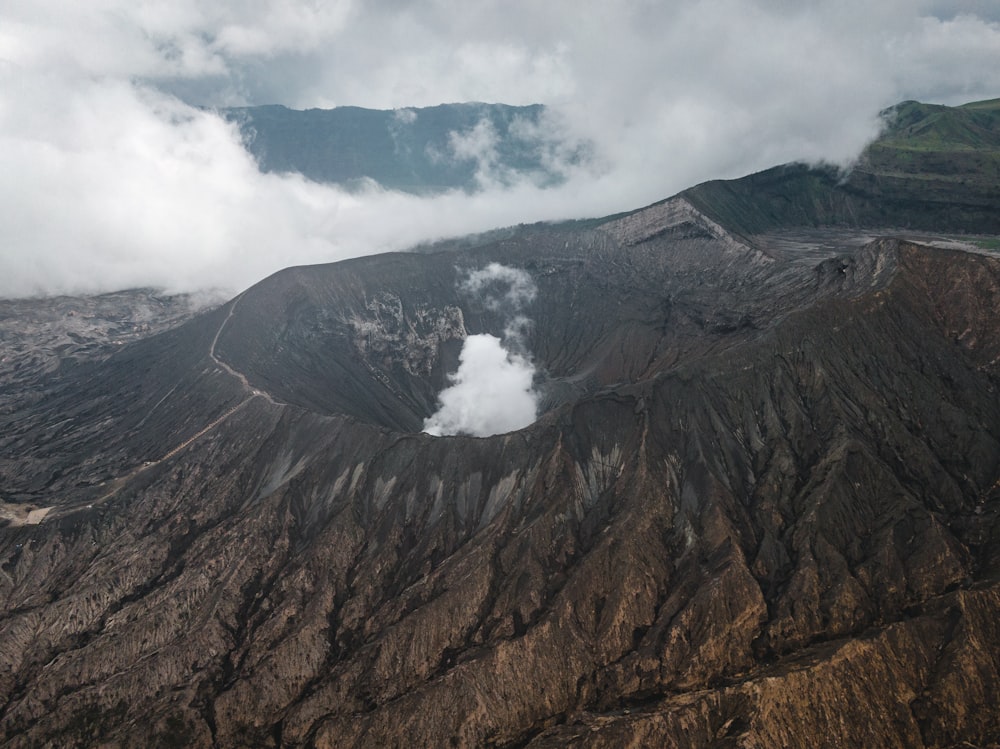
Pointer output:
x,y
107,180
491,393
501,288
479,145
937,55
405,116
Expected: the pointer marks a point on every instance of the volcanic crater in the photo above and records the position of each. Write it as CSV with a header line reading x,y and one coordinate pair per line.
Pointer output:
x,y
763,495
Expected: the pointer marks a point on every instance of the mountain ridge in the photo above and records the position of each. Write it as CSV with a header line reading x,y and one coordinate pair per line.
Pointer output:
x,y
941,179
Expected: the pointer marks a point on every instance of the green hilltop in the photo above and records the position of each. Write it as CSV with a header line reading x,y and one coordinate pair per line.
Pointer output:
x,y
933,127
933,167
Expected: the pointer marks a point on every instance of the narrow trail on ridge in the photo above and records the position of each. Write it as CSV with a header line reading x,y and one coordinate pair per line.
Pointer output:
x,y
38,515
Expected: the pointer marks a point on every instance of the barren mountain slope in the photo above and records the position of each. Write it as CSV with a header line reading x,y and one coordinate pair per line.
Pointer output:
x,y
760,509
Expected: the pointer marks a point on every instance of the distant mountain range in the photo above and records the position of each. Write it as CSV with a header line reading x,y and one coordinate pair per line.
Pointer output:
x,y
419,150
759,506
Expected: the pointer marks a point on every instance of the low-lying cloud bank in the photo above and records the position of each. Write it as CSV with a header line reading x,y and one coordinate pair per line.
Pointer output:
x,y
112,174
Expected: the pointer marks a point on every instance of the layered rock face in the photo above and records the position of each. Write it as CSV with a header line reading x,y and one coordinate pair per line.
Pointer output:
x,y
759,509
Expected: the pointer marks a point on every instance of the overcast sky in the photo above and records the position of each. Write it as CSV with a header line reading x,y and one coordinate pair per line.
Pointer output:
x,y
112,174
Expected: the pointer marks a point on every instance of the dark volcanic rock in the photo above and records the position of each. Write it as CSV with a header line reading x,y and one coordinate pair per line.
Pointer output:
x,y
759,509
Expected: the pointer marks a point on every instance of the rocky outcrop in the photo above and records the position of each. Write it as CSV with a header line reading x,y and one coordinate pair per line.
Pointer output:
x,y
760,510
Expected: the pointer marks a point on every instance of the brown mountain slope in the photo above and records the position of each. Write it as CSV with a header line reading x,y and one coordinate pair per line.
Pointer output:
x,y
759,510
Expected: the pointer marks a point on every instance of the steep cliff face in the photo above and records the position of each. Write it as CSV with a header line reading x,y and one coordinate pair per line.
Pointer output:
x,y
760,508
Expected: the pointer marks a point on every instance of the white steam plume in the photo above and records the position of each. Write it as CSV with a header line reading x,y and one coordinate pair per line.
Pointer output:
x,y
493,390
501,287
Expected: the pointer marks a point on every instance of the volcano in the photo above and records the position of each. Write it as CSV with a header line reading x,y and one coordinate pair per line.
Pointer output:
x,y
758,506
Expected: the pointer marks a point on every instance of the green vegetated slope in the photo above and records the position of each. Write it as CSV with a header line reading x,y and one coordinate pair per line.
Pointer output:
x,y
416,150
933,167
